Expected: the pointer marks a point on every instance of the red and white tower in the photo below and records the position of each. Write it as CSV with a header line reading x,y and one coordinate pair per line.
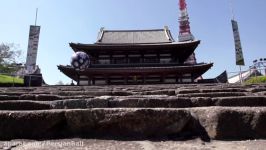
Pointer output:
x,y
184,25
184,29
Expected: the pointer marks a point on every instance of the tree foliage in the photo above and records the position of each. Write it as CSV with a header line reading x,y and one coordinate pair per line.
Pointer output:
x,y
9,56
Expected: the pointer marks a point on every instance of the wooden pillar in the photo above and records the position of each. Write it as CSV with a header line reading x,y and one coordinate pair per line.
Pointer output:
x,y
158,57
93,80
144,79
111,59
107,79
177,78
192,76
97,59
78,78
78,82
162,80
142,57
181,77
89,80
126,80
127,61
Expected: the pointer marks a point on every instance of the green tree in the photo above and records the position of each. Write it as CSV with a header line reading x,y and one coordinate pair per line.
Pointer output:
x,y
9,57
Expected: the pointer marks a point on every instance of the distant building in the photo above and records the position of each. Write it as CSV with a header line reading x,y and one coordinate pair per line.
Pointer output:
x,y
136,57
140,57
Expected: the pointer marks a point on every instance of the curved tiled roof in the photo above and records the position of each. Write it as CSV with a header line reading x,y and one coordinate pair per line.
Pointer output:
x,y
135,36
197,70
182,49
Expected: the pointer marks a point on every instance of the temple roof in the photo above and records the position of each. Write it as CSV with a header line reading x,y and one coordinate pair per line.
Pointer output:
x,y
154,36
197,70
182,49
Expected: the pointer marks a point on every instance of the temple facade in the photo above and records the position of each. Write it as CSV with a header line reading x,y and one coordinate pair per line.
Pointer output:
x,y
137,57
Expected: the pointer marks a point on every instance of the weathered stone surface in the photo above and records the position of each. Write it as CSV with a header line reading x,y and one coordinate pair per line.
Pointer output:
x,y
40,97
136,123
233,123
257,89
127,122
69,104
151,102
160,92
87,93
216,122
47,97
27,97
223,89
201,101
14,93
120,93
158,101
134,111
7,97
251,101
23,105
30,124
80,104
215,94
187,91
261,93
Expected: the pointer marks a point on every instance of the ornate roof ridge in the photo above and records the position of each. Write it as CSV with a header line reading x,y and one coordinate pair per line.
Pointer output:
x,y
133,30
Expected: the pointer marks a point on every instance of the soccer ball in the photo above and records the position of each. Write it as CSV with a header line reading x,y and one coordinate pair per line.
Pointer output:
x,y
80,61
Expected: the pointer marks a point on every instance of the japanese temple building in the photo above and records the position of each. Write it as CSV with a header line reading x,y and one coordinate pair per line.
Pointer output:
x,y
137,57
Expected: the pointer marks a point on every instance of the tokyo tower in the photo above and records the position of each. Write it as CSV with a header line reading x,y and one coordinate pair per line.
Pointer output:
x,y
184,29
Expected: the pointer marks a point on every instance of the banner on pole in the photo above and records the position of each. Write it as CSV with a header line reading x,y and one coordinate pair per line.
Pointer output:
x,y
33,46
239,53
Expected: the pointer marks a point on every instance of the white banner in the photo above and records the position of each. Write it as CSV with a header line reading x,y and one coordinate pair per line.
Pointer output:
x,y
33,46
238,47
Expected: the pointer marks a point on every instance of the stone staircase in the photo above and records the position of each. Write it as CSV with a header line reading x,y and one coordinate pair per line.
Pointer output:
x,y
207,111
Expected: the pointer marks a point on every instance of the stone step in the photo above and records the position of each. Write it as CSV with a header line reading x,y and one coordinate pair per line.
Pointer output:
x,y
214,94
208,111
90,94
129,90
209,90
133,102
221,123
24,105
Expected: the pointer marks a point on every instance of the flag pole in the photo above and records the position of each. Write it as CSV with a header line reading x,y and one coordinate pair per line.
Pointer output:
x,y
36,16
232,9
240,74
238,47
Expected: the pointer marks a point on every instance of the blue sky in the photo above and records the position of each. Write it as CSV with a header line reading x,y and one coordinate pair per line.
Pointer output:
x,y
65,21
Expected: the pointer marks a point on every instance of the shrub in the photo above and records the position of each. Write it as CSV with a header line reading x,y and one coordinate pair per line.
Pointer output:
x,y
256,80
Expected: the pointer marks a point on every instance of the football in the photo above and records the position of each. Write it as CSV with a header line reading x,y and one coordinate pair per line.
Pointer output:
x,y
80,61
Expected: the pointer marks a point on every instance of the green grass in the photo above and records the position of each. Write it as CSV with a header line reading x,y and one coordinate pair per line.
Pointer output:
x,y
256,80
4,79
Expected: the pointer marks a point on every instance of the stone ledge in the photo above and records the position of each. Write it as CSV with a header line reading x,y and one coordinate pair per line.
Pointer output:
x,y
227,123
221,123
140,123
159,101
